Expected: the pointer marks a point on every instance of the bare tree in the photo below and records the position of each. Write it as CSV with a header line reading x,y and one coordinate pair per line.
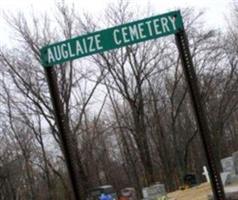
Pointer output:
x,y
27,75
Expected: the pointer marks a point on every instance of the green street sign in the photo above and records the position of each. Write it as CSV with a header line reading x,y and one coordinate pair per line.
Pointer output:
x,y
112,38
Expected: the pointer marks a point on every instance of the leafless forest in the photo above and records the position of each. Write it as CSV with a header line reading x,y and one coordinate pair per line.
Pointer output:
x,y
128,109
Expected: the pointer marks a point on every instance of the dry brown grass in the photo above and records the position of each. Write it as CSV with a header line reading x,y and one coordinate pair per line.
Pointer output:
x,y
199,192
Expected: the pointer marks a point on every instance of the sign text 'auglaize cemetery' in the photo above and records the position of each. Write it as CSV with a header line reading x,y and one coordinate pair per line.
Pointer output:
x,y
119,36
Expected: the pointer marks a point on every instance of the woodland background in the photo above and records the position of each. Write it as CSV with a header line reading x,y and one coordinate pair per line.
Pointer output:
x,y
128,109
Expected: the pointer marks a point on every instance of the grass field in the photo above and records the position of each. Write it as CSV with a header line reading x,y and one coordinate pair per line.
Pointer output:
x,y
199,192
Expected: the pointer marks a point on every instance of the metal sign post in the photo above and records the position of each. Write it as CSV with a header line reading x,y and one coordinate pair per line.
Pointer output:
x,y
190,75
63,128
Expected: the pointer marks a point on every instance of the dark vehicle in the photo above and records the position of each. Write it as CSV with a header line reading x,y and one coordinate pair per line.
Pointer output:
x,y
97,191
190,180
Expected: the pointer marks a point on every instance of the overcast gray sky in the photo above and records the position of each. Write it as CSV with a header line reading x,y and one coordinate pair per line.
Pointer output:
x,y
215,9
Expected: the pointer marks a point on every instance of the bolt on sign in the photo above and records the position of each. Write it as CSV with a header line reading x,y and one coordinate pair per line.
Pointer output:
x,y
112,38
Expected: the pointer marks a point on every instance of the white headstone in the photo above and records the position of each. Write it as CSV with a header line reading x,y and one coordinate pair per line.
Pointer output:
x,y
228,164
225,178
154,191
235,161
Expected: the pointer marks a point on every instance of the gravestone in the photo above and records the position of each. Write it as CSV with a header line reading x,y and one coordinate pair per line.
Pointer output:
x,y
226,178
154,192
230,169
228,164
229,177
231,193
235,161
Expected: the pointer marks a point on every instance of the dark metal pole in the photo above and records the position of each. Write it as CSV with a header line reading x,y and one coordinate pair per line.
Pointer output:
x,y
65,136
187,63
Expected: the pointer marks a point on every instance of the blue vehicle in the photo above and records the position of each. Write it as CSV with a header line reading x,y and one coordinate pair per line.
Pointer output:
x,y
96,192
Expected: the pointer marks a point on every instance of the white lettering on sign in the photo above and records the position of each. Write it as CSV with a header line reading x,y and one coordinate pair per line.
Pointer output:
x,y
71,54
79,49
156,24
172,20
148,23
64,51
164,22
57,53
133,32
50,56
125,34
115,34
141,30
91,49
82,46
119,36
85,46
98,42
